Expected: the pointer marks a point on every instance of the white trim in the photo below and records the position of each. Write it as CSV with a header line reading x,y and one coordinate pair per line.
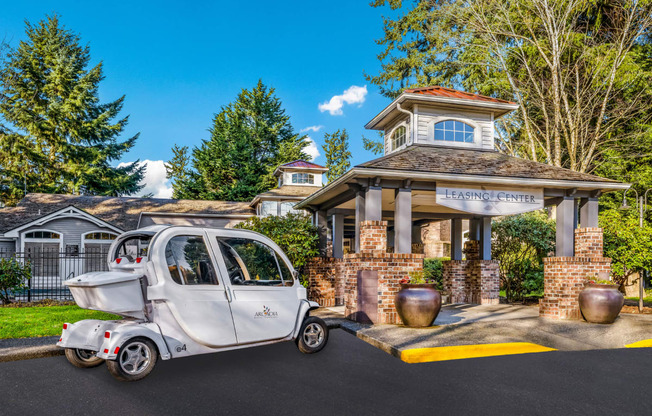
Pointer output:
x,y
455,178
477,132
67,212
391,139
503,108
24,239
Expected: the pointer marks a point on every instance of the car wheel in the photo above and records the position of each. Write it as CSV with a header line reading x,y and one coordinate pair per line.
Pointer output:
x,y
82,358
136,359
313,335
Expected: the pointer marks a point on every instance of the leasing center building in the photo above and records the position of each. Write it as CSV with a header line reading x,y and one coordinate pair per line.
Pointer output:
x,y
440,163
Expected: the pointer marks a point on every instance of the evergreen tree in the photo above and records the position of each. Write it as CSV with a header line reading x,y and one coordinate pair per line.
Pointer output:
x,y
55,135
338,156
178,169
250,137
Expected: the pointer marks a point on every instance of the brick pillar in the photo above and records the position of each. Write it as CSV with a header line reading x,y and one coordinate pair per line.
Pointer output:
x,y
472,281
373,236
565,277
472,249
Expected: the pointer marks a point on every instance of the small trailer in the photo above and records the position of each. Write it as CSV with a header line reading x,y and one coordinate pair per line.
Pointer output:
x,y
183,291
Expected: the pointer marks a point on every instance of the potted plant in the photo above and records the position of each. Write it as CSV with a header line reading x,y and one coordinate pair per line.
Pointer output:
x,y
418,301
600,301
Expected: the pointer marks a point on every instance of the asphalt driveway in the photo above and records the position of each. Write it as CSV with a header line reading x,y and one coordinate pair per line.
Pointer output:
x,y
350,377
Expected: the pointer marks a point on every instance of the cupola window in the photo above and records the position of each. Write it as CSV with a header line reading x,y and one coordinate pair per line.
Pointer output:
x,y
454,131
302,178
398,137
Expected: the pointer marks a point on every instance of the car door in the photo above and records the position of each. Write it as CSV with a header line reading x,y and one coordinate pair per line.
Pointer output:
x,y
190,284
264,300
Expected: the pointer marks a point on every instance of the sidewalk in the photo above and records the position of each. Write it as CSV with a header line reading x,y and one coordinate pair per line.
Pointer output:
x,y
468,331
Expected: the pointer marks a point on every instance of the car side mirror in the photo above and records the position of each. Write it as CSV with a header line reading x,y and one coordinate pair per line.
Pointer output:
x,y
295,274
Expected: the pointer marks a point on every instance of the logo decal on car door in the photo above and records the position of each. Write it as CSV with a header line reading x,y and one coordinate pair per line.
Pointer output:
x,y
266,313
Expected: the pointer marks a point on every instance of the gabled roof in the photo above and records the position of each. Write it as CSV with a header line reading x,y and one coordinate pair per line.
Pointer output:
x,y
438,91
300,165
121,212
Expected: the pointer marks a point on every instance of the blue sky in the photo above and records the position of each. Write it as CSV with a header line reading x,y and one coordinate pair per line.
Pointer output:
x,y
178,63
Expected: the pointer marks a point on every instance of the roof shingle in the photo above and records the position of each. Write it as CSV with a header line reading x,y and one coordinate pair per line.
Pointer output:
x,y
438,91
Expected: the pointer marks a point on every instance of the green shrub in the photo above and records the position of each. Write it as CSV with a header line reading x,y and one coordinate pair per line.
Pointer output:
x,y
13,277
520,242
433,270
294,233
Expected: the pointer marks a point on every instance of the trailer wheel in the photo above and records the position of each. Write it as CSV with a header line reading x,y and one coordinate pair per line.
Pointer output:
x,y
313,335
136,359
82,358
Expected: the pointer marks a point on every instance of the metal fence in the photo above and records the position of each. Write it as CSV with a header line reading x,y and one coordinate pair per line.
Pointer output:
x,y
51,267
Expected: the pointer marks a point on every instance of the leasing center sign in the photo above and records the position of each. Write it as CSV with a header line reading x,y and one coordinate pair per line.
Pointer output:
x,y
493,201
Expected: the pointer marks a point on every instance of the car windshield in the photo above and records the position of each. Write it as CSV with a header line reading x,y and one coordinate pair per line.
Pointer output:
x,y
133,247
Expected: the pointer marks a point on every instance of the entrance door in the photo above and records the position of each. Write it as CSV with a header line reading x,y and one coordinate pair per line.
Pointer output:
x,y
194,291
264,303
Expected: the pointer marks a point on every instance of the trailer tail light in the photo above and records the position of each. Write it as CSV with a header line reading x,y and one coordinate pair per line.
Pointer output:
x,y
107,335
116,350
139,259
60,339
118,260
65,326
106,351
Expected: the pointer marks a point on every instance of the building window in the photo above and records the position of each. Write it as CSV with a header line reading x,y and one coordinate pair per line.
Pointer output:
x,y
100,236
398,137
303,178
454,131
288,208
268,208
43,234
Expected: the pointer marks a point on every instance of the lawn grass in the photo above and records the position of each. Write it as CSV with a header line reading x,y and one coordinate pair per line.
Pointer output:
x,y
41,321
527,295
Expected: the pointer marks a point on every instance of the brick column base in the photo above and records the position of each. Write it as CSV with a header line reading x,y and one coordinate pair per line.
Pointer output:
x,y
565,277
325,280
472,281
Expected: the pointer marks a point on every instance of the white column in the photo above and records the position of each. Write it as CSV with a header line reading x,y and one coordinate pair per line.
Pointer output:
x,y
359,217
374,204
338,235
565,228
456,239
589,213
485,238
403,221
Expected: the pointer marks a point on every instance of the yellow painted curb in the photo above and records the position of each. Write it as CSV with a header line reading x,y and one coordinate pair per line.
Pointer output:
x,y
646,343
459,352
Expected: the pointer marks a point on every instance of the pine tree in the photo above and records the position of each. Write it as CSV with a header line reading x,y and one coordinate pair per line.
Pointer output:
x,y
338,156
250,137
178,169
56,136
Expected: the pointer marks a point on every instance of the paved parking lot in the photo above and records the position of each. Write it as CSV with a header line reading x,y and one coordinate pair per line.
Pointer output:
x,y
350,377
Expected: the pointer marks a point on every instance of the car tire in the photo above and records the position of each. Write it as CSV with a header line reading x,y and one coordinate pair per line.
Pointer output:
x,y
313,335
82,358
136,359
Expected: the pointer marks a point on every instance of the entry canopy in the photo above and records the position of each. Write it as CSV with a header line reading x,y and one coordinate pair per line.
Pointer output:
x,y
447,181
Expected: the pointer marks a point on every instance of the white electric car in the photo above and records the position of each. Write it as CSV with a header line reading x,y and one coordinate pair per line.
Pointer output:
x,y
183,291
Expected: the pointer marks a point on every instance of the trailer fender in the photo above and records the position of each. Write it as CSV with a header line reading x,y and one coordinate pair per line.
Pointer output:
x,y
306,306
115,339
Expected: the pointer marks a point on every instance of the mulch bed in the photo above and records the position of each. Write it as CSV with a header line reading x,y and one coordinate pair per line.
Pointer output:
x,y
46,302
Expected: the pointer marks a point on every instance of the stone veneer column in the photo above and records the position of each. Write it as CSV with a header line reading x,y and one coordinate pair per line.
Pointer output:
x,y
565,277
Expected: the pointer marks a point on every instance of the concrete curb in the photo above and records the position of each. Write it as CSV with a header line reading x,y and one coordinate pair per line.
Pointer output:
x,y
27,353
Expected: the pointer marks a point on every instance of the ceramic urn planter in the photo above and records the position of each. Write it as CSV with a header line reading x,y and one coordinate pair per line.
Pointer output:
x,y
418,304
600,303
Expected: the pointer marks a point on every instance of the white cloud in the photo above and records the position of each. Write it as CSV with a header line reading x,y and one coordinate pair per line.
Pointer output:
x,y
155,181
352,95
312,149
311,128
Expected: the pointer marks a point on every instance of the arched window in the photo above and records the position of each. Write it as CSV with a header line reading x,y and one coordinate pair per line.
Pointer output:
x,y
454,131
100,236
43,234
398,137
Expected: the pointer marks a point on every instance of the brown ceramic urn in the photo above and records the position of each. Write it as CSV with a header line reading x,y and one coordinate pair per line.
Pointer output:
x,y
600,303
418,304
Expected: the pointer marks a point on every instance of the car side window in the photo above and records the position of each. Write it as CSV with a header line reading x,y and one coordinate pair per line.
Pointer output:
x,y
188,261
252,263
